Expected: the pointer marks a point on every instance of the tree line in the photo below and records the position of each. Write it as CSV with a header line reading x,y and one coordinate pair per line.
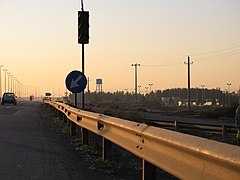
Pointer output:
x,y
172,96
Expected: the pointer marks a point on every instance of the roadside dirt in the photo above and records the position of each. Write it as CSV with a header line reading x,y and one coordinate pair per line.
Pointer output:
x,y
78,160
123,165
73,162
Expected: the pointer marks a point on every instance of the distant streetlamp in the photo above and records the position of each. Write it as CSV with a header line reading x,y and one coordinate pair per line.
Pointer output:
x,y
225,97
229,84
13,85
202,93
139,87
8,81
150,89
11,88
146,89
5,88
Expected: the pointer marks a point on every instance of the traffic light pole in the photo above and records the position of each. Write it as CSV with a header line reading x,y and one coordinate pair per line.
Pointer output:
x,y
82,8
85,139
84,74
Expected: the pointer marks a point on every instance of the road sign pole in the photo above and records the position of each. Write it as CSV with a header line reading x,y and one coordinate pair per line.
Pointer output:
x,y
75,101
84,74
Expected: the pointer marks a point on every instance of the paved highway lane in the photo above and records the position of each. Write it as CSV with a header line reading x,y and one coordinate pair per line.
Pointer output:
x,y
30,150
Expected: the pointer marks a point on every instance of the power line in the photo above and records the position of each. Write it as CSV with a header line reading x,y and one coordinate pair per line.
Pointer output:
x,y
117,71
217,57
169,63
213,56
216,51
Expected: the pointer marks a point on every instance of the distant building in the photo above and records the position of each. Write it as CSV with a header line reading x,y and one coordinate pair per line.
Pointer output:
x,y
99,85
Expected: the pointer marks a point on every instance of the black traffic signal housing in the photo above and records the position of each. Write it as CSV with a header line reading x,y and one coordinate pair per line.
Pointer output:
x,y
83,27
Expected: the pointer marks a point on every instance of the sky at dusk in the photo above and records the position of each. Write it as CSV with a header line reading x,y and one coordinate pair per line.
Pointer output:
x,y
38,43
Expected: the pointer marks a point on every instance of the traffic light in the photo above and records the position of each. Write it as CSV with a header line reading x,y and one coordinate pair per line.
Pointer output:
x,y
83,27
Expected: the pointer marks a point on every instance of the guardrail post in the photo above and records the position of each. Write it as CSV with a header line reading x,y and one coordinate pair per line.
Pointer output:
x,y
176,125
148,171
106,149
56,113
61,115
72,129
85,139
224,132
68,122
65,119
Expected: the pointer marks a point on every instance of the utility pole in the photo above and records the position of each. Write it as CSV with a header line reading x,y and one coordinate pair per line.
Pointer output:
x,y
136,65
189,95
229,84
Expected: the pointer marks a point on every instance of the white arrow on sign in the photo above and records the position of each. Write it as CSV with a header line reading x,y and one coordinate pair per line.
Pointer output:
x,y
74,83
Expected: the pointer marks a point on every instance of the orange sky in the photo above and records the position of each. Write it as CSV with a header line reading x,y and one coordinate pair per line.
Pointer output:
x,y
39,43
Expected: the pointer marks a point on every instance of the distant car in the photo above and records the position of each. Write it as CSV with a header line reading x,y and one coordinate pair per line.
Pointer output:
x,y
59,100
46,99
9,98
66,100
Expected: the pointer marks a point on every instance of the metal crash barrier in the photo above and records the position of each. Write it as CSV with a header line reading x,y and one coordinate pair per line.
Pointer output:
x,y
182,155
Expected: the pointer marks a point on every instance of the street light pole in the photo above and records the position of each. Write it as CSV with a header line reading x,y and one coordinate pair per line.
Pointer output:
x,y
13,84
139,89
136,65
146,89
150,89
8,81
11,88
229,84
5,80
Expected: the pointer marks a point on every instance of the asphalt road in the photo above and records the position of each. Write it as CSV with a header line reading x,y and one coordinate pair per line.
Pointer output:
x,y
31,149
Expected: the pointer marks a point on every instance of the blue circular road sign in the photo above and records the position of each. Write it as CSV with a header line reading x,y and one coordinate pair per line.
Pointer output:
x,y
76,81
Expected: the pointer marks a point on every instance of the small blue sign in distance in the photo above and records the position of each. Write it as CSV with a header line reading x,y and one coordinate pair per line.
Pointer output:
x,y
76,81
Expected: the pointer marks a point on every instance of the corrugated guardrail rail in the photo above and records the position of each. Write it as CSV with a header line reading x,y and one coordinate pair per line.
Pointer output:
x,y
182,155
223,130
